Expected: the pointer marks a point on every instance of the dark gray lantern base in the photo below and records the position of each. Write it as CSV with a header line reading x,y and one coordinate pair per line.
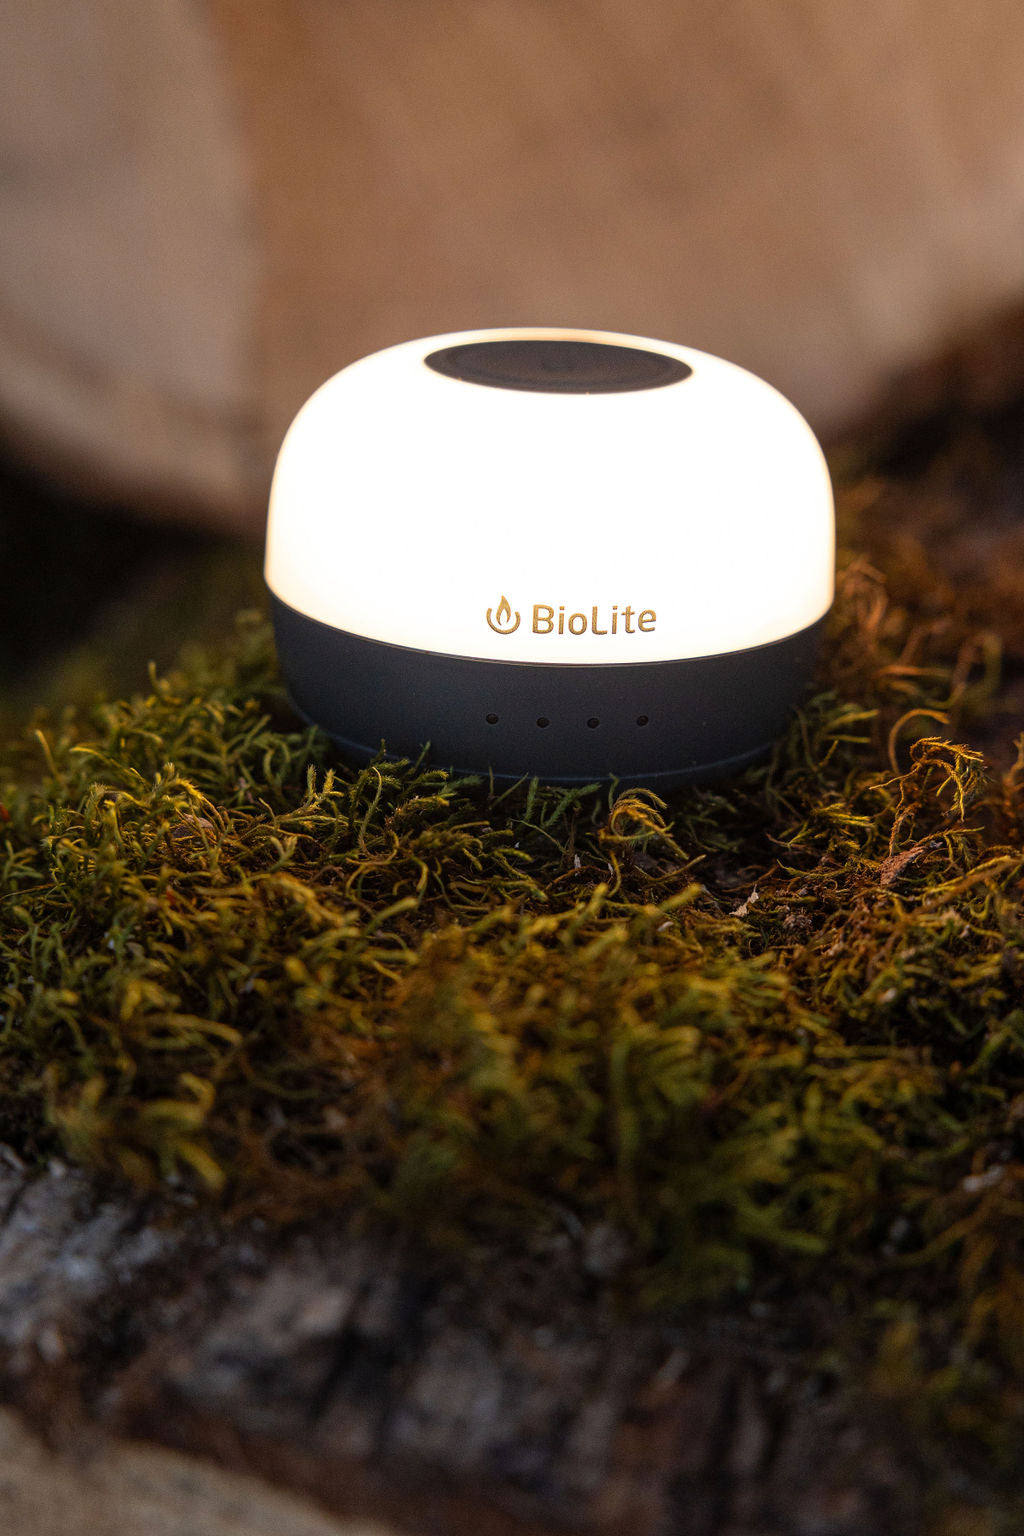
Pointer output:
x,y
661,723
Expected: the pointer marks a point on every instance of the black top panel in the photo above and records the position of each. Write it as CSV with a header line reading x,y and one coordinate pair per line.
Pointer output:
x,y
553,366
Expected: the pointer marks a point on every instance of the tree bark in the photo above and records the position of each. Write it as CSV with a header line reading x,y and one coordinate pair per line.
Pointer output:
x,y
507,1394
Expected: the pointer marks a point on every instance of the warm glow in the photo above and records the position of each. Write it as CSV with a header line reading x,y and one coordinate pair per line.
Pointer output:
x,y
680,521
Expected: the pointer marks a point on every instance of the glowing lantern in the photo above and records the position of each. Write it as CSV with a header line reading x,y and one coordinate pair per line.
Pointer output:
x,y
575,554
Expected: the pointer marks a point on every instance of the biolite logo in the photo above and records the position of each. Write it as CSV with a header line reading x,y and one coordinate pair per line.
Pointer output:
x,y
552,619
502,622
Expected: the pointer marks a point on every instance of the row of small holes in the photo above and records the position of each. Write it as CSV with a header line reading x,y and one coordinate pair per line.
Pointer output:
x,y
592,722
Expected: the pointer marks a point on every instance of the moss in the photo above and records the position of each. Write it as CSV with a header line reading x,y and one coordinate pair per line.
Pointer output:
x,y
770,1034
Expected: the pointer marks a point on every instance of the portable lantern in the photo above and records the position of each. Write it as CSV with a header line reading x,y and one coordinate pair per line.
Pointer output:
x,y
570,554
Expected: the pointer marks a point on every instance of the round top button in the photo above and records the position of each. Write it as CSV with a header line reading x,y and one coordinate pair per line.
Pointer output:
x,y
558,366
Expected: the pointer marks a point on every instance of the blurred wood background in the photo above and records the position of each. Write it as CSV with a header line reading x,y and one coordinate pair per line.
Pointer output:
x,y
207,206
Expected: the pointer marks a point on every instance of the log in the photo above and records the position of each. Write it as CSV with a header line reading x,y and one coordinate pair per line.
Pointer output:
x,y
510,1394
146,1491
514,1391
209,208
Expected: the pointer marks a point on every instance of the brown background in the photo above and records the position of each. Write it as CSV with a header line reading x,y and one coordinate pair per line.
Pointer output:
x,y
211,205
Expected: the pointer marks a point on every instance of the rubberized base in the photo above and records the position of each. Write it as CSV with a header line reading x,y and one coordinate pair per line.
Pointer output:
x,y
662,723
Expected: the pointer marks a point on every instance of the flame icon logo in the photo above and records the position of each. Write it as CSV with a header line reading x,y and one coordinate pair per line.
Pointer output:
x,y
500,619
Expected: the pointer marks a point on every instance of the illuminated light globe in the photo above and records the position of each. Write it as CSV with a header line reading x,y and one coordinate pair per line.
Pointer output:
x,y
573,554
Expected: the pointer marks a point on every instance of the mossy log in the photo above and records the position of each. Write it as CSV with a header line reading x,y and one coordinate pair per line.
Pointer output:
x,y
533,1160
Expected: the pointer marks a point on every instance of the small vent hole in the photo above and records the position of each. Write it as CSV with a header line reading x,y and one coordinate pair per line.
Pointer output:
x,y
642,719
543,721
492,719
593,722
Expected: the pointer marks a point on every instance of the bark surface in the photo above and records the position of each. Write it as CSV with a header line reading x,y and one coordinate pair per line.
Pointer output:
x,y
510,1395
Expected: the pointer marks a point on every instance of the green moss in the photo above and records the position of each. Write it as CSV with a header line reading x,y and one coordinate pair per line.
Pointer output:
x,y
770,1034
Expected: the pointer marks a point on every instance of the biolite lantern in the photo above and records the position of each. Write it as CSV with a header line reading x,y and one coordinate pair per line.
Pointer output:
x,y
571,554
